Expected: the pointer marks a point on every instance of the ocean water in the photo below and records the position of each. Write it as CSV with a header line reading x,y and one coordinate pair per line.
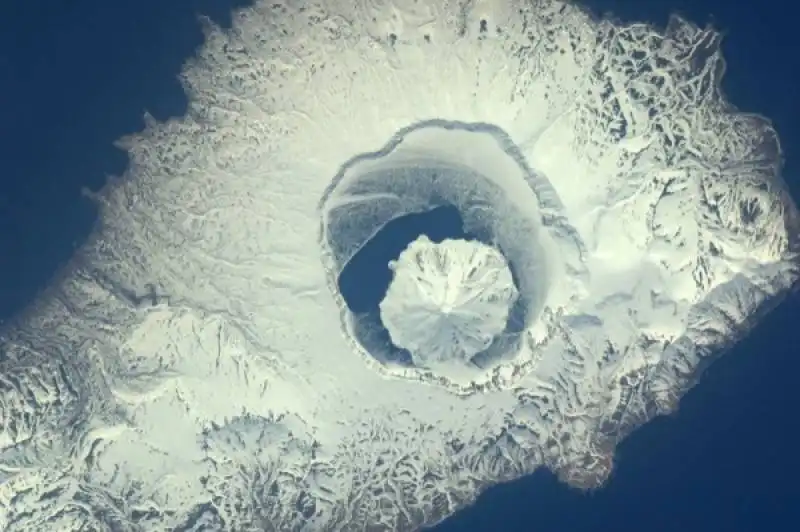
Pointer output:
x,y
77,74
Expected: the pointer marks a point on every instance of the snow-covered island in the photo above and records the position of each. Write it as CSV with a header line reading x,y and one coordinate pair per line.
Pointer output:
x,y
644,219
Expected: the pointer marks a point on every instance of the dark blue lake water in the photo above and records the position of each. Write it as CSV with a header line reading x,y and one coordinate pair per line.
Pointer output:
x,y
77,74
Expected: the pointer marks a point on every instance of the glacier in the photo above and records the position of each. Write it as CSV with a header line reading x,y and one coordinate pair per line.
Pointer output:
x,y
194,366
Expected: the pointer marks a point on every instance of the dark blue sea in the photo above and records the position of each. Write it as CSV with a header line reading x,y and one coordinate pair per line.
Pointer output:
x,y
77,74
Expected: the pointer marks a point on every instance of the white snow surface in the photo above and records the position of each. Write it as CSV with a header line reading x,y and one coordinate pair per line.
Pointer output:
x,y
447,301
193,367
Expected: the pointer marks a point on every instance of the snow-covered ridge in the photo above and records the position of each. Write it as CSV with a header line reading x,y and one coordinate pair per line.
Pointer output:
x,y
194,368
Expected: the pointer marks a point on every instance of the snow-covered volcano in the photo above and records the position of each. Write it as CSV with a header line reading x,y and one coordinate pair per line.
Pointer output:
x,y
195,368
447,301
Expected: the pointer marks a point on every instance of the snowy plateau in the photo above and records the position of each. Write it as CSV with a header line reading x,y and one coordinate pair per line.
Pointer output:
x,y
195,368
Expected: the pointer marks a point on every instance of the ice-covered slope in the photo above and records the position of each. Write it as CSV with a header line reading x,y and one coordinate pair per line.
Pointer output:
x,y
195,369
